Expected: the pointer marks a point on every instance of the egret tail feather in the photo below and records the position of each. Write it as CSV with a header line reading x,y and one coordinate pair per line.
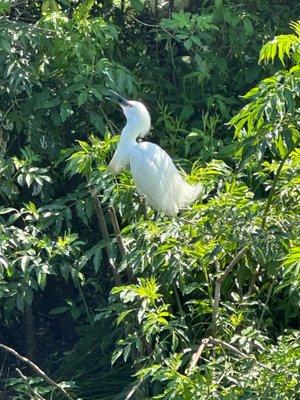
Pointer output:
x,y
187,194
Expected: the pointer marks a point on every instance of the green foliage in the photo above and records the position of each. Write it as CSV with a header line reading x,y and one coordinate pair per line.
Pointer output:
x,y
57,134
270,120
282,45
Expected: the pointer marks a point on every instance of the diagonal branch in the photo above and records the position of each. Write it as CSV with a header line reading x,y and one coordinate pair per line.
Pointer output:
x,y
36,369
25,379
116,228
218,342
105,234
238,352
135,389
121,245
196,356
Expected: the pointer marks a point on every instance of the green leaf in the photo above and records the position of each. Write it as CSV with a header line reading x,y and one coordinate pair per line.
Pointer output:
x,y
137,5
248,26
116,355
50,103
75,312
97,121
97,260
65,111
5,6
59,310
188,44
187,112
7,210
24,262
82,98
20,302
29,179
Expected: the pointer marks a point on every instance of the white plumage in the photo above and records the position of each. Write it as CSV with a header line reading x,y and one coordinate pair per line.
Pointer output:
x,y
153,171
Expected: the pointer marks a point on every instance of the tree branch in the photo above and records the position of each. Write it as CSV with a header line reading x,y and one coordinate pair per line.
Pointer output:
x,y
121,245
105,235
134,389
219,281
36,369
25,379
196,356
218,342
237,351
116,228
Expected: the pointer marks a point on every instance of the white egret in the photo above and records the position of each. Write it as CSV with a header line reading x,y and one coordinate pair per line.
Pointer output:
x,y
153,171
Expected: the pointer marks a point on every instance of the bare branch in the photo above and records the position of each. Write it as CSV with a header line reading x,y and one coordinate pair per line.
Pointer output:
x,y
237,351
196,356
266,303
233,263
218,284
25,379
116,227
104,231
36,369
101,218
134,389
216,305
218,342
121,245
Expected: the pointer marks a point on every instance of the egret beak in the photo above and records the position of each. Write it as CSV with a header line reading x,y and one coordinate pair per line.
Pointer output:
x,y
116,98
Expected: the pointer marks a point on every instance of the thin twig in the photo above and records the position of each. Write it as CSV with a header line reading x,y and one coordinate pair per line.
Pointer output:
x,y
101,218
121,245
36,369
233,263
171,7
112,131
134,389
266,303
269,202
116,228
217,342
27,26
31,349
91,321
25,379
144,23
105,234
252,283
216,305
237,351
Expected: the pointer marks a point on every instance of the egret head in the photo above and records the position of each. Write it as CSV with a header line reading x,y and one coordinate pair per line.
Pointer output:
x,y
137,115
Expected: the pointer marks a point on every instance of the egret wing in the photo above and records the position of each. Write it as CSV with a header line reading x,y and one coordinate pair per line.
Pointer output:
x,y
157,178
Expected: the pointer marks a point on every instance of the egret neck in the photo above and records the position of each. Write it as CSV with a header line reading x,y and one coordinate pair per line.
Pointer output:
x,y
136,126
